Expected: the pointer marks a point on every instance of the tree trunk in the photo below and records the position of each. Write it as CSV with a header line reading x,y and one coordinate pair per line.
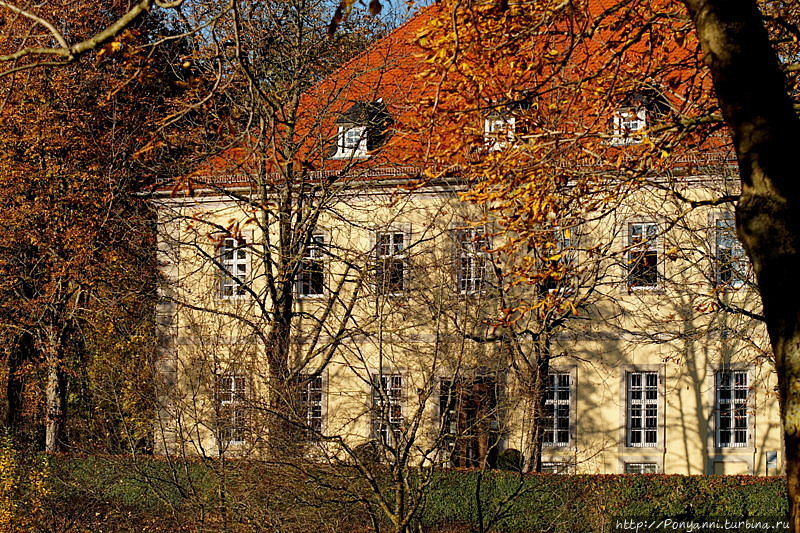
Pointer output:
x,y
752,93
283,398
284,432
534,388
55,392
21,352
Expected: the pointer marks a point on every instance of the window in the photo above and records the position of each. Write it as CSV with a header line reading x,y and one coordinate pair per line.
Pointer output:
x,y
558,256
351,141
311,401
361,129
472,259
641,468
628,124
772,462
732,390
311,274
233,258
642,255
387,407
469,419
498,132
730,263
555,468
390,268
638,110
642,409
556,421
231,389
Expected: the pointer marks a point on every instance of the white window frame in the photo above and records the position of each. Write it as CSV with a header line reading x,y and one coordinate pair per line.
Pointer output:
x,y
628,124
640,244
494,128
738,426
736,265
351,141
231,390
392,255
313,253
562,246
472,259
642,407
556,467
641,468
388,407
312,400
558,382
234,260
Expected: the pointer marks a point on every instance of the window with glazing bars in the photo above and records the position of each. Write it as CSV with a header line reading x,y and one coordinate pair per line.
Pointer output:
x,y
390,268
556,420
642,254
557,256
472,259
351,141
231,389
642,409
641,468
233,258
732,397
498,131
311,275
627,125
730,268
311,401
387,407
555,468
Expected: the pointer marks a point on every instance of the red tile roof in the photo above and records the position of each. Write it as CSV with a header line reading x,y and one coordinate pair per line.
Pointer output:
x,y
389,72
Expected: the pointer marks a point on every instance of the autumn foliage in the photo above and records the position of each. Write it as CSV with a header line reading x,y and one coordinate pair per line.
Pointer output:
x,y
75,250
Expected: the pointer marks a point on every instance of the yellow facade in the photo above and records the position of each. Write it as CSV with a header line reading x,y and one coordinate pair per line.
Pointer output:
x,y
652,375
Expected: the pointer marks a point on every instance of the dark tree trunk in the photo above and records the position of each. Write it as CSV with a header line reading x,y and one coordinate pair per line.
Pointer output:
x,y
533,380
752,93
21,352
284,431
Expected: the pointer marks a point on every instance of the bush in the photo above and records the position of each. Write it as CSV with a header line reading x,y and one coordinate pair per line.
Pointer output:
x,y
24,487
510,459
113,493
589,503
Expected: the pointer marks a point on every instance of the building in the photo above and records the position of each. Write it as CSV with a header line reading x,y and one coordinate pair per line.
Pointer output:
x,y
350,299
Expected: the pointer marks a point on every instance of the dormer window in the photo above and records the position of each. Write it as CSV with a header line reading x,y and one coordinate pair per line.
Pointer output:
x,y
628,125
638,111
498,132
361,130
351,142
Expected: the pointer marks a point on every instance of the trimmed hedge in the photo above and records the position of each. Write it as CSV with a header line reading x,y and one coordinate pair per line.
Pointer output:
x,y
587,503
258,495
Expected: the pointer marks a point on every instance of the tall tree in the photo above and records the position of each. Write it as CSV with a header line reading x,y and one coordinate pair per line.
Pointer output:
x,y
74,237
753,93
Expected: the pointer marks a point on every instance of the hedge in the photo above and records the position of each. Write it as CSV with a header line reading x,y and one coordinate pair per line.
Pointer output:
x,y
588,503
259,496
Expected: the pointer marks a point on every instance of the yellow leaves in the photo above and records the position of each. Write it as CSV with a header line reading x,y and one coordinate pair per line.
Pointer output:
x,y
108,49
344,8
23,488
707,307
673,253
